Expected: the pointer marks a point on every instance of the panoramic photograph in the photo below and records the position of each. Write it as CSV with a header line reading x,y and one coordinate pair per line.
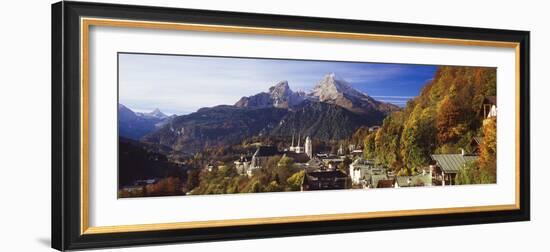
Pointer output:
x,y
197,125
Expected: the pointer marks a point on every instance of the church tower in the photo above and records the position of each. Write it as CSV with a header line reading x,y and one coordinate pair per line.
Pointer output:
x,y
292,146
309,147
298,148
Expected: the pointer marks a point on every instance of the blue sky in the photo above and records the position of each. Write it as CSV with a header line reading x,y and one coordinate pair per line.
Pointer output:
x,y
183,84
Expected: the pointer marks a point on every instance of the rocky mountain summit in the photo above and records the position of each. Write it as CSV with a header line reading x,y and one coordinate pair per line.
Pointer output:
x,y
278,96
334,90
333,110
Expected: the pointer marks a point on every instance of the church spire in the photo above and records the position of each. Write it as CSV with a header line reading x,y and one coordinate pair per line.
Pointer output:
x,y
308,147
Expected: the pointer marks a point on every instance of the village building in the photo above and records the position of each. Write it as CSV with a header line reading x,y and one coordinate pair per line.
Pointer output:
x,y
358,170
379,181
300,159
489,107
139,185
298,148
242,164
357,153
366,173
322,155
133,189
385,183
260,157
332,162
315,164
324,180
416,180
300,155
448,165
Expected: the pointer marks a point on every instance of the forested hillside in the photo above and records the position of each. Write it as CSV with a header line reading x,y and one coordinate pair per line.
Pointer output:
x,y
442,119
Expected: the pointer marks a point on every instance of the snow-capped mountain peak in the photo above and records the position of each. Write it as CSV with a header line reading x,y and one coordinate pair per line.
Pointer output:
x,y
331,87
157,113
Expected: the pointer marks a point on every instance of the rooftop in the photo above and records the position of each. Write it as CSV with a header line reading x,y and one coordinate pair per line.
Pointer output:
x,y
327,174
362,161
417,180
478,140
266,151
385,183
297,157
452,163
490,100
376,178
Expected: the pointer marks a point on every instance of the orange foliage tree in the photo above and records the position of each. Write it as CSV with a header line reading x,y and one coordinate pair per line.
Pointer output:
x,y
488,151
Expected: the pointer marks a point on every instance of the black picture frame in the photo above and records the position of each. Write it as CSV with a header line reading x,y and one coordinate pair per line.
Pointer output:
x,y
66,155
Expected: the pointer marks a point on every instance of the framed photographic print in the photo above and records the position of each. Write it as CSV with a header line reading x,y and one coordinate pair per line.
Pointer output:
x,y
180,125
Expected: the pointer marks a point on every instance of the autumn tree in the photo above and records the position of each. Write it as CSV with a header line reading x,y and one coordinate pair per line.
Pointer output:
x,y
442,119
418,138
369,146
192,179
165,186
285,168
488,152
388,138
273,186
449,121
294,182
360,134
467,175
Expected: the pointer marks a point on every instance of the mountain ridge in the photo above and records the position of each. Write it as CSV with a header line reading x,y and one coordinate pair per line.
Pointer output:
x,y
135,125
330,89
334,90
332,110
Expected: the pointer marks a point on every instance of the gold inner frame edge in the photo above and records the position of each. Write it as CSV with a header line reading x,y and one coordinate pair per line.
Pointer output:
x,y
85,24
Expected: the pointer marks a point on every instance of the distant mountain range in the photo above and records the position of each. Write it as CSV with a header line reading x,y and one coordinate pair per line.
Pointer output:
x,y
135,125
156,114
211,127
333,110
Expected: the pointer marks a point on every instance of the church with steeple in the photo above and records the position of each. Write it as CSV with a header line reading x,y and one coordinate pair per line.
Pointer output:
x,y
307,148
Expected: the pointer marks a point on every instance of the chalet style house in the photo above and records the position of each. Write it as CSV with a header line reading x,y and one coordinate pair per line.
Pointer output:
x,y
447,166
365,173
